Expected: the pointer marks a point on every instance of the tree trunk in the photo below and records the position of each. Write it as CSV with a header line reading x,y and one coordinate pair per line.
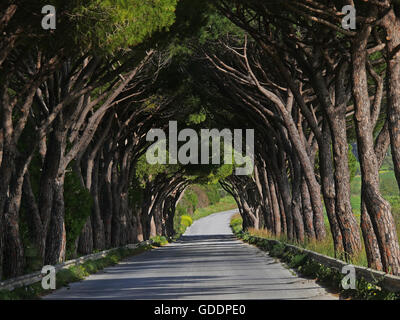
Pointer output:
x,y
328,188
277,225
48,181
33,217
284,191
116,223
382,143
307,211
1,246
107,211
391,24
153,229
56,237
97,221
169,212
13,250
370,241
123,218
139,227
296,200
85,243
378,208
347,222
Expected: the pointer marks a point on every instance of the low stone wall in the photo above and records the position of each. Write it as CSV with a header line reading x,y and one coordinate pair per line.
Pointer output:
x,y
384,280
28,279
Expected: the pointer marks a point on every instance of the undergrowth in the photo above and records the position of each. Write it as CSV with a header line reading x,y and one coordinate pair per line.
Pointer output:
x,y
73,274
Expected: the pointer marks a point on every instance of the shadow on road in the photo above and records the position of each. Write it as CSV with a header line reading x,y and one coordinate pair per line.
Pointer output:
x,y
197,266
208,238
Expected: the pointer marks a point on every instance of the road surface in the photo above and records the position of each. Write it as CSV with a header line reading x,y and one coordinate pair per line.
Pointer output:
x,y
207,263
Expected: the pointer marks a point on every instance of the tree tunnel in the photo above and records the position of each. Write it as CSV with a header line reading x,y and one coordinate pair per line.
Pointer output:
x,y
77,104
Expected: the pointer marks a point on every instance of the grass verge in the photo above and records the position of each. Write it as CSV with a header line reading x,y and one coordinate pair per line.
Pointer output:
x,y
307,267
76,273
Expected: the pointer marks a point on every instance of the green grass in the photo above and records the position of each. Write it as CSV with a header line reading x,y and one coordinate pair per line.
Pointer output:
x,y
324,247
355,201
72,274
389,190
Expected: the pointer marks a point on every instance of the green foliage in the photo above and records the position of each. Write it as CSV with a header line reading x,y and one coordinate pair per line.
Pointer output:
x,y
368,291
353,163
120,24
219,26
196,118
159,241
146,171
135,195
226,203
188,203
191,196
236,224
183,221
186,221
297,260
102,26
277,250
32,260
213,193
179,230
191,17
180,210
78,207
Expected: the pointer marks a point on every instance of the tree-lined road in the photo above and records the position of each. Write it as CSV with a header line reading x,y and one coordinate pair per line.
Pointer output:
x,y
207,263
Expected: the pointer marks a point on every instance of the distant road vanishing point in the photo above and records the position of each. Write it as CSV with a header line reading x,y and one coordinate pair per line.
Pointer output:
x,y
207,263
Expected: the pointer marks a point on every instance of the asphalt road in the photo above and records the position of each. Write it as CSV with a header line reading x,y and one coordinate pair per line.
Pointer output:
x,y
208,263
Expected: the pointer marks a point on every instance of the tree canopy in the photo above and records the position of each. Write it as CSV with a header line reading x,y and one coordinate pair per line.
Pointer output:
x,y
77,102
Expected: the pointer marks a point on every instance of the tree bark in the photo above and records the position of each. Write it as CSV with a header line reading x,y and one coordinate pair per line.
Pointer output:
x,y
307,211
85,243
278,228
391,23
378,208
56,237
328,188
296,200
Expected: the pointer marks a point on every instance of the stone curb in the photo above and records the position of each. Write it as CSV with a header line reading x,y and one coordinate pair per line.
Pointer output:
x,y
384,280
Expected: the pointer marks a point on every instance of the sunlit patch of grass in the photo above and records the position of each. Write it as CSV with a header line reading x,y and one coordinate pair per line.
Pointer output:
x,y
324,246
389,189
390,192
